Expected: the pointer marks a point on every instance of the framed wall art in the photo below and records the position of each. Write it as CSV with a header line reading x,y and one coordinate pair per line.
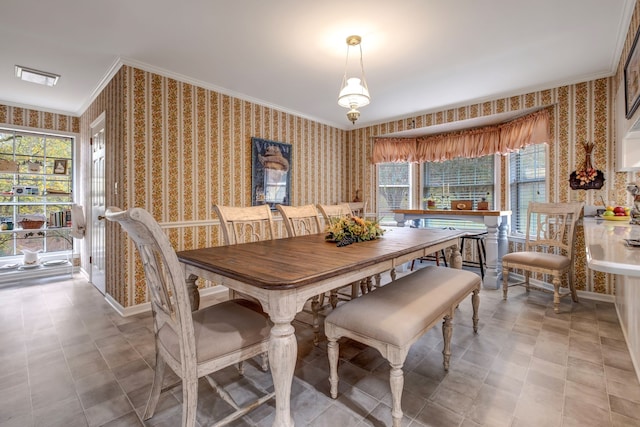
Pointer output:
x,y
632,79
60,166
270,173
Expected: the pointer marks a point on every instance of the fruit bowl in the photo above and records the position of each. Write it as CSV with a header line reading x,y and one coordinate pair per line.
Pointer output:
x,y
616,218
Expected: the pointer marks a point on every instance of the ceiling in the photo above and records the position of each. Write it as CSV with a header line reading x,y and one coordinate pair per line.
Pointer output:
x,y
419,55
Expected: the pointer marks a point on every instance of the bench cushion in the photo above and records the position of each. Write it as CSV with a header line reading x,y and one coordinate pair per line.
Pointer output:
x,y
414,301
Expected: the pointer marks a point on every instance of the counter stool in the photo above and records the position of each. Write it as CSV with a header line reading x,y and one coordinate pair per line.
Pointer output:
x,y
436,255
482,254
430,257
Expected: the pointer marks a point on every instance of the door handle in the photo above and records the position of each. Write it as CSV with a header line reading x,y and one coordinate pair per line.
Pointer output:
x,y
101,217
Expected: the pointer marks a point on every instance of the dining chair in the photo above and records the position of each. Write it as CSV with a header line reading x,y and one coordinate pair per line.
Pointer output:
x,y
358,208
245,224
193,344
301,221
331,213
548,249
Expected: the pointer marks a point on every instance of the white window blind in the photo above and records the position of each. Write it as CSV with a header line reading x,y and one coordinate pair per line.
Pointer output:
x,y
459,179
527,182
394,190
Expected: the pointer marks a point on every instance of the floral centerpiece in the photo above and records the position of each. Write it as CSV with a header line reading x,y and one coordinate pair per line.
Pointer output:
x,y
352,229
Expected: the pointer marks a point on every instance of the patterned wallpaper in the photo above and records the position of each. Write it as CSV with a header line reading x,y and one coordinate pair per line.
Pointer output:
x,y
178,149
580,112
38,119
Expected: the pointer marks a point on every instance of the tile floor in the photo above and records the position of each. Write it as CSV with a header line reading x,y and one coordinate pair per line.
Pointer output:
x,y
69,360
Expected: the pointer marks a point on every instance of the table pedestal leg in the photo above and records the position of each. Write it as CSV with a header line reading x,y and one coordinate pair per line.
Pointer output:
x,y
496,245
283,349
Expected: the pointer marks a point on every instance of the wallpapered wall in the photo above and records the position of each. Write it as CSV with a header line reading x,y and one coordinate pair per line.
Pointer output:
x,y
38,119
580,112
179,149
176,149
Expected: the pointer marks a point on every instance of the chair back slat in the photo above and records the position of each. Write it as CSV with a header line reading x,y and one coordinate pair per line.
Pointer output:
x,y
358,208
300,220
331,212
245,224
551,227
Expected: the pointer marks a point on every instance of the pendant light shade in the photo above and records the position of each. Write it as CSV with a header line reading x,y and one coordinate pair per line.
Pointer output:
x,y
354,92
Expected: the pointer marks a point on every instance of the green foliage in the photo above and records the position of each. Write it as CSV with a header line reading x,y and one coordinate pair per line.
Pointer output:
x,y
352,229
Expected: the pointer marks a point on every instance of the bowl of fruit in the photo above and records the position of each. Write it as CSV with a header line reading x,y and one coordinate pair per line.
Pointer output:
x,y
616,213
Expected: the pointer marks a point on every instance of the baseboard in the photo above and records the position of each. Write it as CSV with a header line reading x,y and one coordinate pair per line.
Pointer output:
x,y
594,296
581,294
146,307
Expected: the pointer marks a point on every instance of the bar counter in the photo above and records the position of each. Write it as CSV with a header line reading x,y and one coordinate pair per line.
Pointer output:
x,y
608,252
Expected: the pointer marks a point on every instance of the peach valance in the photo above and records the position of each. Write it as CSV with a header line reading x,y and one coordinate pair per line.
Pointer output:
x,y
499,139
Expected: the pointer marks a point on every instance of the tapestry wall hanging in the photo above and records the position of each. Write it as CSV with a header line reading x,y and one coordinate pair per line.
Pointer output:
x,y
270,173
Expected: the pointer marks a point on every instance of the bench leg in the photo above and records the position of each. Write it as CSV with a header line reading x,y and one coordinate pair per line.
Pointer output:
x,y
447,330
332,352
396,381
475,303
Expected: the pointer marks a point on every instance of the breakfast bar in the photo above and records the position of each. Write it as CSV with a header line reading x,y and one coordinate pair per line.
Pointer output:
x,y
497,223
614,247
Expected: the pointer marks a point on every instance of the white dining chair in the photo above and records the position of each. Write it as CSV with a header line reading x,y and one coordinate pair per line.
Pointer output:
x,y
193,344
549,249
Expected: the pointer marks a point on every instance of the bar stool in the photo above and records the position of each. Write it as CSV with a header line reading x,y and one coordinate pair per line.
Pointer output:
x,y
430,257
482,253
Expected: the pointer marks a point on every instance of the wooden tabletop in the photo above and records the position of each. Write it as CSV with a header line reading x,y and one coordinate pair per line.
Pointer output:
x,y
299,261
451,212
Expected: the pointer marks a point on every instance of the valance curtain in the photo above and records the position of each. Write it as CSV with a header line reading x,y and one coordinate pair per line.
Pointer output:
x,y
500,139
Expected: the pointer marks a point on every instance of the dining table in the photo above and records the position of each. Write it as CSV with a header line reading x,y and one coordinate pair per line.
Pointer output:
x,y
283,274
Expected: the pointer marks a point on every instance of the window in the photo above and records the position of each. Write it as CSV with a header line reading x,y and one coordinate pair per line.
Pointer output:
x,y
36,184
394,190
459,179
527,182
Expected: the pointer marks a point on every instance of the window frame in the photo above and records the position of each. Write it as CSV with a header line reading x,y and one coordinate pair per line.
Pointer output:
x,y
411,192
509,196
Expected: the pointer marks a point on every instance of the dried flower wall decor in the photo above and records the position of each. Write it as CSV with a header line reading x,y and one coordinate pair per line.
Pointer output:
x,y
587,178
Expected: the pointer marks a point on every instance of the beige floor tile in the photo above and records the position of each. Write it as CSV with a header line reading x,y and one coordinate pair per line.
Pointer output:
x,y
79,363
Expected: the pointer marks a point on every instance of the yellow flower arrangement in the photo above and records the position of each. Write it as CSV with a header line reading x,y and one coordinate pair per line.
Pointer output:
x,y
352,229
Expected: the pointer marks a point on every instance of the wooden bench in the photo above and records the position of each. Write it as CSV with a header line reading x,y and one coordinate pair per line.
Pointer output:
x,y
393,317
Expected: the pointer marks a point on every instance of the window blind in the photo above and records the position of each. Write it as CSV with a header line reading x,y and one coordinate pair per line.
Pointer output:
x,y
460,179
527,182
